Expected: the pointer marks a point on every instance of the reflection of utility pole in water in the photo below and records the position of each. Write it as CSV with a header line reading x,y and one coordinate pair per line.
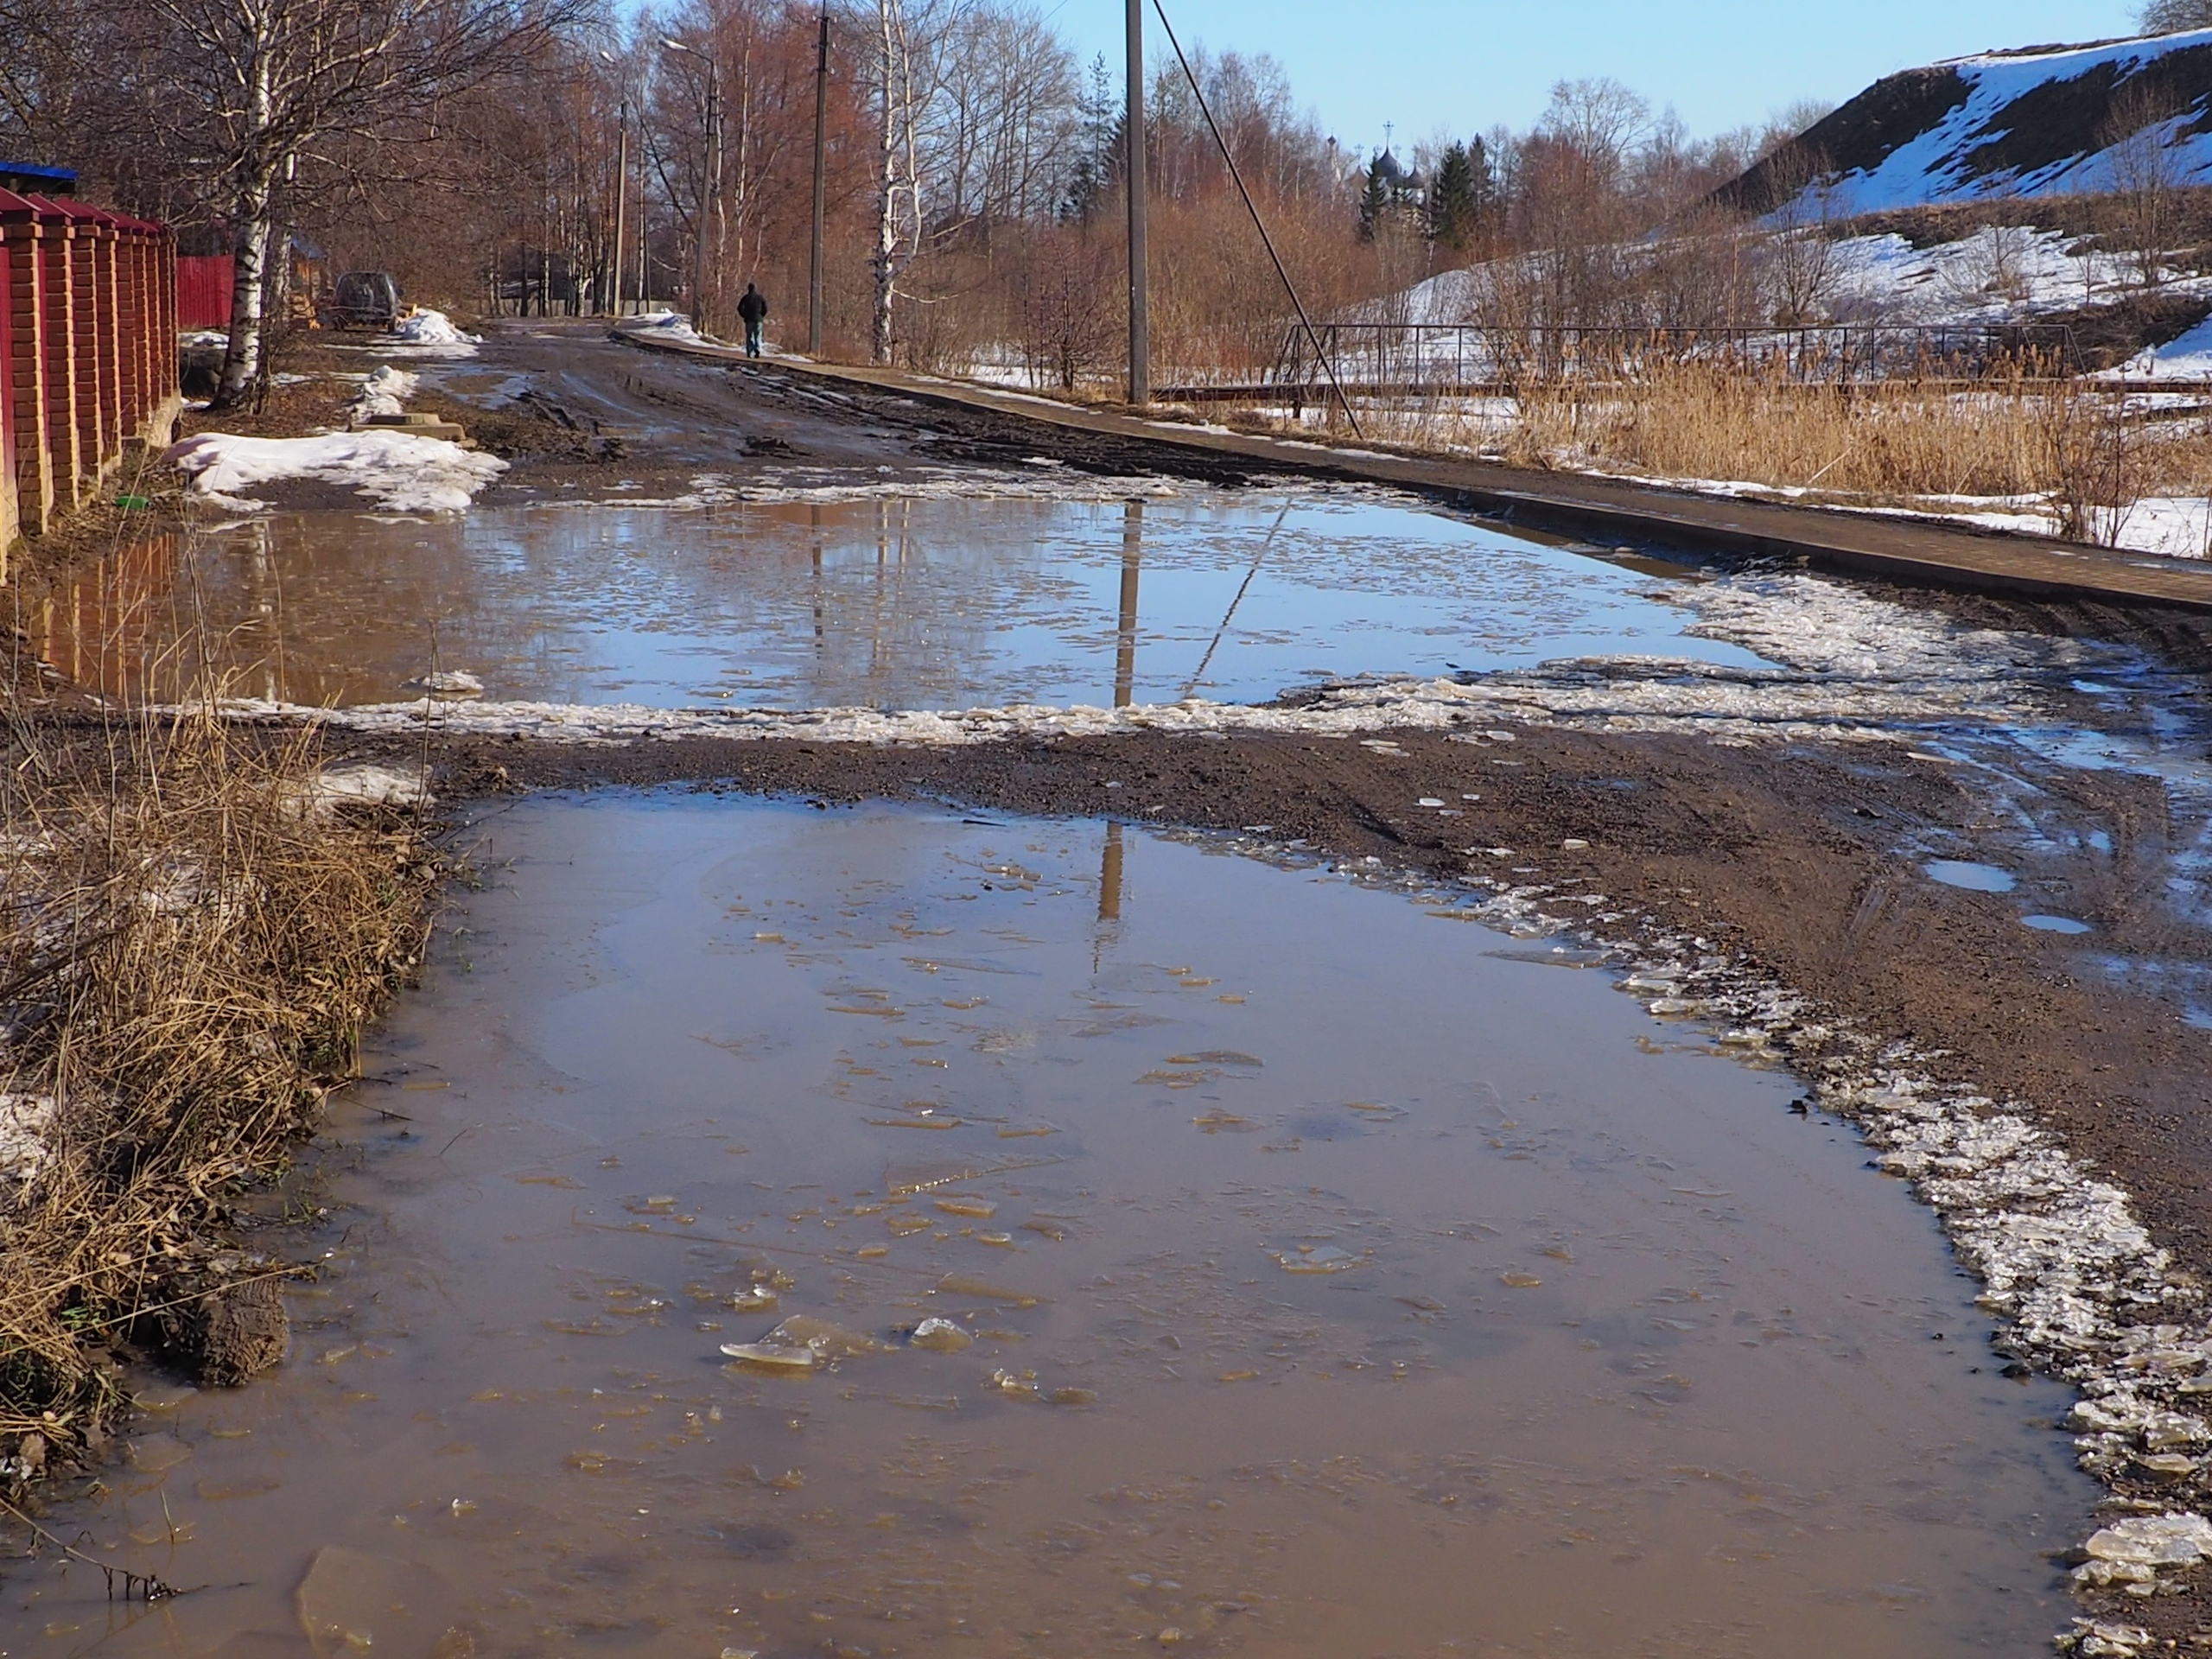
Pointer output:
x,y
1125,638
1109,875
814,518
1109,893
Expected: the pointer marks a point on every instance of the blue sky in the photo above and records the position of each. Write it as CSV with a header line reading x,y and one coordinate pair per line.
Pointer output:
x,y
1466,65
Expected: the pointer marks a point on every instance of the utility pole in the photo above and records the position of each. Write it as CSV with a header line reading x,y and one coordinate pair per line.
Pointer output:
x,y
821,153
1139,321
622,188
710,260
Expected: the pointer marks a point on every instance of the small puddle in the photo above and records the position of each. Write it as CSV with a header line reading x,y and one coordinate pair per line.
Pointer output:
x,y
1975,878
931,603
1187,1253
2055,924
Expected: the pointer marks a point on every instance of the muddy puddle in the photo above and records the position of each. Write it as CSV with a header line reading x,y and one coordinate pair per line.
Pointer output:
x,y
1135,1246
933,603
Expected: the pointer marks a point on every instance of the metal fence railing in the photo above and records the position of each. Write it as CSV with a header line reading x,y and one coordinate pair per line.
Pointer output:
x,y
1387,360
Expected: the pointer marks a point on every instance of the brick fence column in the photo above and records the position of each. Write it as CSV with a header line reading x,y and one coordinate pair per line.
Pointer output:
x,y
130,329
169,402
8,529
85,322
57,300
115,333
25,368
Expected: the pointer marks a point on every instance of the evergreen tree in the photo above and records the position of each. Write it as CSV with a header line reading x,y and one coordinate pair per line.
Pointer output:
x,y
1376,200
1450,209
1460,196
1100,122
1485,181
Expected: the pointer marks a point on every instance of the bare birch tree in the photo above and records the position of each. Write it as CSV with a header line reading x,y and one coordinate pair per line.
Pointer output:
x,y
900,33
264,88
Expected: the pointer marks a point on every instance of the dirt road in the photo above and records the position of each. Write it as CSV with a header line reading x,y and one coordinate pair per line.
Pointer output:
x,y
1796,858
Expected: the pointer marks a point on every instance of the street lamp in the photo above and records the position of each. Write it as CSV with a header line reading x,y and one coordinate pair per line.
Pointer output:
x,y
713,192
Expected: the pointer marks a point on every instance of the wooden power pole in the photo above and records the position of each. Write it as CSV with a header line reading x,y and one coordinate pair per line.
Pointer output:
x,y
821,148
1133,125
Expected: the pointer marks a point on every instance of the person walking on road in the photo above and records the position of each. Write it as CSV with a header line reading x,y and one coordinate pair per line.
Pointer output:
x,y
752,309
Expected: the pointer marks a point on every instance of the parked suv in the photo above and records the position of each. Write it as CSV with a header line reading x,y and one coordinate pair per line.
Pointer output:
x,y
364,299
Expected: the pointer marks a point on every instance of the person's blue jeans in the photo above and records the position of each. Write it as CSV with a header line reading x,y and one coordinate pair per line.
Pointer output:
x,y
753,339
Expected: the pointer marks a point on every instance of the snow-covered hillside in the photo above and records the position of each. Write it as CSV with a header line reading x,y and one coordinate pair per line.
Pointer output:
x,y
2030,123
1992,273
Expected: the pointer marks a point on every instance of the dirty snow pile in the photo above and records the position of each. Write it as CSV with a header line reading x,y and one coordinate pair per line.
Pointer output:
x,y
335,789
25,1121
667,325
398,471
384,392
432,328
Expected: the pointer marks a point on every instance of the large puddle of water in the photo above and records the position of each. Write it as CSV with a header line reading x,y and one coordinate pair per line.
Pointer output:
x,y
931,603
1320,1275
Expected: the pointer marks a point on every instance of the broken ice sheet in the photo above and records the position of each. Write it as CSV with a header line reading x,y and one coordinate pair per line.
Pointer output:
x,y
1317,1258
1215,1121
963,1204
352,1602
770,1356
961,1284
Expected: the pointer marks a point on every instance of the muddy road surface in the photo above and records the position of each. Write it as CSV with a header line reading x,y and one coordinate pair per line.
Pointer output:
x,y
1130,955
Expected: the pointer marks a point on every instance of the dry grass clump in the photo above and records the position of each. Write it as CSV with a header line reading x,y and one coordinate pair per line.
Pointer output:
x,y
1890,437
2080,453
190,945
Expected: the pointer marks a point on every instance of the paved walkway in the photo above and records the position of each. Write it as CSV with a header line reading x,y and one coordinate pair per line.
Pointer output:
x,y
1603,510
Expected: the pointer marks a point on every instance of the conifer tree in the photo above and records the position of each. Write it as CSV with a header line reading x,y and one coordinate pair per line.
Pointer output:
x,y
1098,161
1376,199
1450,210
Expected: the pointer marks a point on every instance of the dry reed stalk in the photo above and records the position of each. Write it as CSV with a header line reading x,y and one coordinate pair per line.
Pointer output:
x,y
189,950
2080,453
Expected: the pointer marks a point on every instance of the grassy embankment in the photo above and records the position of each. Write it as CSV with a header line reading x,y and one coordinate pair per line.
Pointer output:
x,y
193,935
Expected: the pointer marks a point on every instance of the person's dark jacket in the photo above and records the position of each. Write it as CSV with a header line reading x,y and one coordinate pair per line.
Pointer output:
x,y
753,306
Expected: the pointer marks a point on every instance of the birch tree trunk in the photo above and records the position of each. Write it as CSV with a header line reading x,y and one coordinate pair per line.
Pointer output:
x,y
898,191
255,234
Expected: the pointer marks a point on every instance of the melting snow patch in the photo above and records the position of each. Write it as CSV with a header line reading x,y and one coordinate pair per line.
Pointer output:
x,y
25,1121
365,786
666,325
447,683
384,392
432,328
966,484
398,471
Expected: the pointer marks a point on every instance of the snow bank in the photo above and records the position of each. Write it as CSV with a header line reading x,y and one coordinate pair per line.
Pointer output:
x,y
432,328
667,324
395,470
384,392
